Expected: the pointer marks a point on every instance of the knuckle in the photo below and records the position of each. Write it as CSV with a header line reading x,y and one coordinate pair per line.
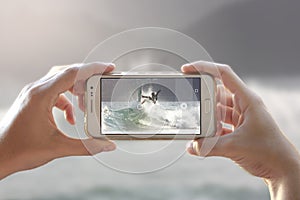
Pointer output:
x,y
73,70
226,68
33,91
257,100
55,70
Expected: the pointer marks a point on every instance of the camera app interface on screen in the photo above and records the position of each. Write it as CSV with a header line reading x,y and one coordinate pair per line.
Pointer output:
x,y
150,105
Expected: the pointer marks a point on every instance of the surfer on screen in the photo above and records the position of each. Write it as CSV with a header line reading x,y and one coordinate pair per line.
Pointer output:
x,y
152,98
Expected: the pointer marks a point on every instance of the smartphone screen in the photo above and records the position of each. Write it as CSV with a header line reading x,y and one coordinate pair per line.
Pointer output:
x,y
156,105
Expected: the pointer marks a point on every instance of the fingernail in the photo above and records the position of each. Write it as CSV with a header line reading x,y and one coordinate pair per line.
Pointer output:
x,y
185,66
195,146
189,144
190,147
109,147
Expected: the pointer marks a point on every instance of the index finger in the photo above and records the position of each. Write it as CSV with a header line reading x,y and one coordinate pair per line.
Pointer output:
x,y
223,72
67,78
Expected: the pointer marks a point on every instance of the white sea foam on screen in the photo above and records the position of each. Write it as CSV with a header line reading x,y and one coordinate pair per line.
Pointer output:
x,y
163,116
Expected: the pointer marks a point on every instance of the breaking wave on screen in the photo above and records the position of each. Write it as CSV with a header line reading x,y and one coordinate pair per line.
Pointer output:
x,y
122,116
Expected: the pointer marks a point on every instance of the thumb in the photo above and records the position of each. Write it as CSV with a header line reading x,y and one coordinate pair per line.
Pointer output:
x,y
85,147
213,146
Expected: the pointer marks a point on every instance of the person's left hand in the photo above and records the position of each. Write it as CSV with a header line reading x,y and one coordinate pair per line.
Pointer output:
x,y
29,136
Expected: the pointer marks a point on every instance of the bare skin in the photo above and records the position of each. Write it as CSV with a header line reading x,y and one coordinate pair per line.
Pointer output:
x,y
257,144
29,136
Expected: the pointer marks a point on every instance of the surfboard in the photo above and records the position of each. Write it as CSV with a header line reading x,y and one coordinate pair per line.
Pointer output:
x,y
140,95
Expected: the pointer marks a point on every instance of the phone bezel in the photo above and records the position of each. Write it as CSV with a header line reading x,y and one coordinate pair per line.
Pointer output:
x,y
93,116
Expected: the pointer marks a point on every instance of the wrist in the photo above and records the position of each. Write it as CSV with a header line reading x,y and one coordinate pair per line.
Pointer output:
x,y
6,164
6,167
8,158
287,185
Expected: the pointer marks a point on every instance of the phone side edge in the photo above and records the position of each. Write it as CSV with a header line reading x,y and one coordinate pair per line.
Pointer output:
x,y
91,120
208,94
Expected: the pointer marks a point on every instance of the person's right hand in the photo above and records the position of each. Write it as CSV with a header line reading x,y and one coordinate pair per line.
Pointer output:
x,y
256,144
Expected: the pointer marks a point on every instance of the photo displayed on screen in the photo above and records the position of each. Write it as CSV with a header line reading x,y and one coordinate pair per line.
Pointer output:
x,y
150,105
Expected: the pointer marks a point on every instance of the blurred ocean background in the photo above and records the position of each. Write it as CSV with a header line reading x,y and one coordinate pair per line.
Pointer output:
x,y
260,39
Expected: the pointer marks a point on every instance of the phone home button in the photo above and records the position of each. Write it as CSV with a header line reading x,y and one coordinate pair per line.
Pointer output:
x,y
207,106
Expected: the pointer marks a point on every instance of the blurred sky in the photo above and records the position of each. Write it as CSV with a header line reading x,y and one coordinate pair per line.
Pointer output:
x,y
258,38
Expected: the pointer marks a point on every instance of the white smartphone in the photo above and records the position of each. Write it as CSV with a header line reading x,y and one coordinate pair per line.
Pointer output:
x,y
126,106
